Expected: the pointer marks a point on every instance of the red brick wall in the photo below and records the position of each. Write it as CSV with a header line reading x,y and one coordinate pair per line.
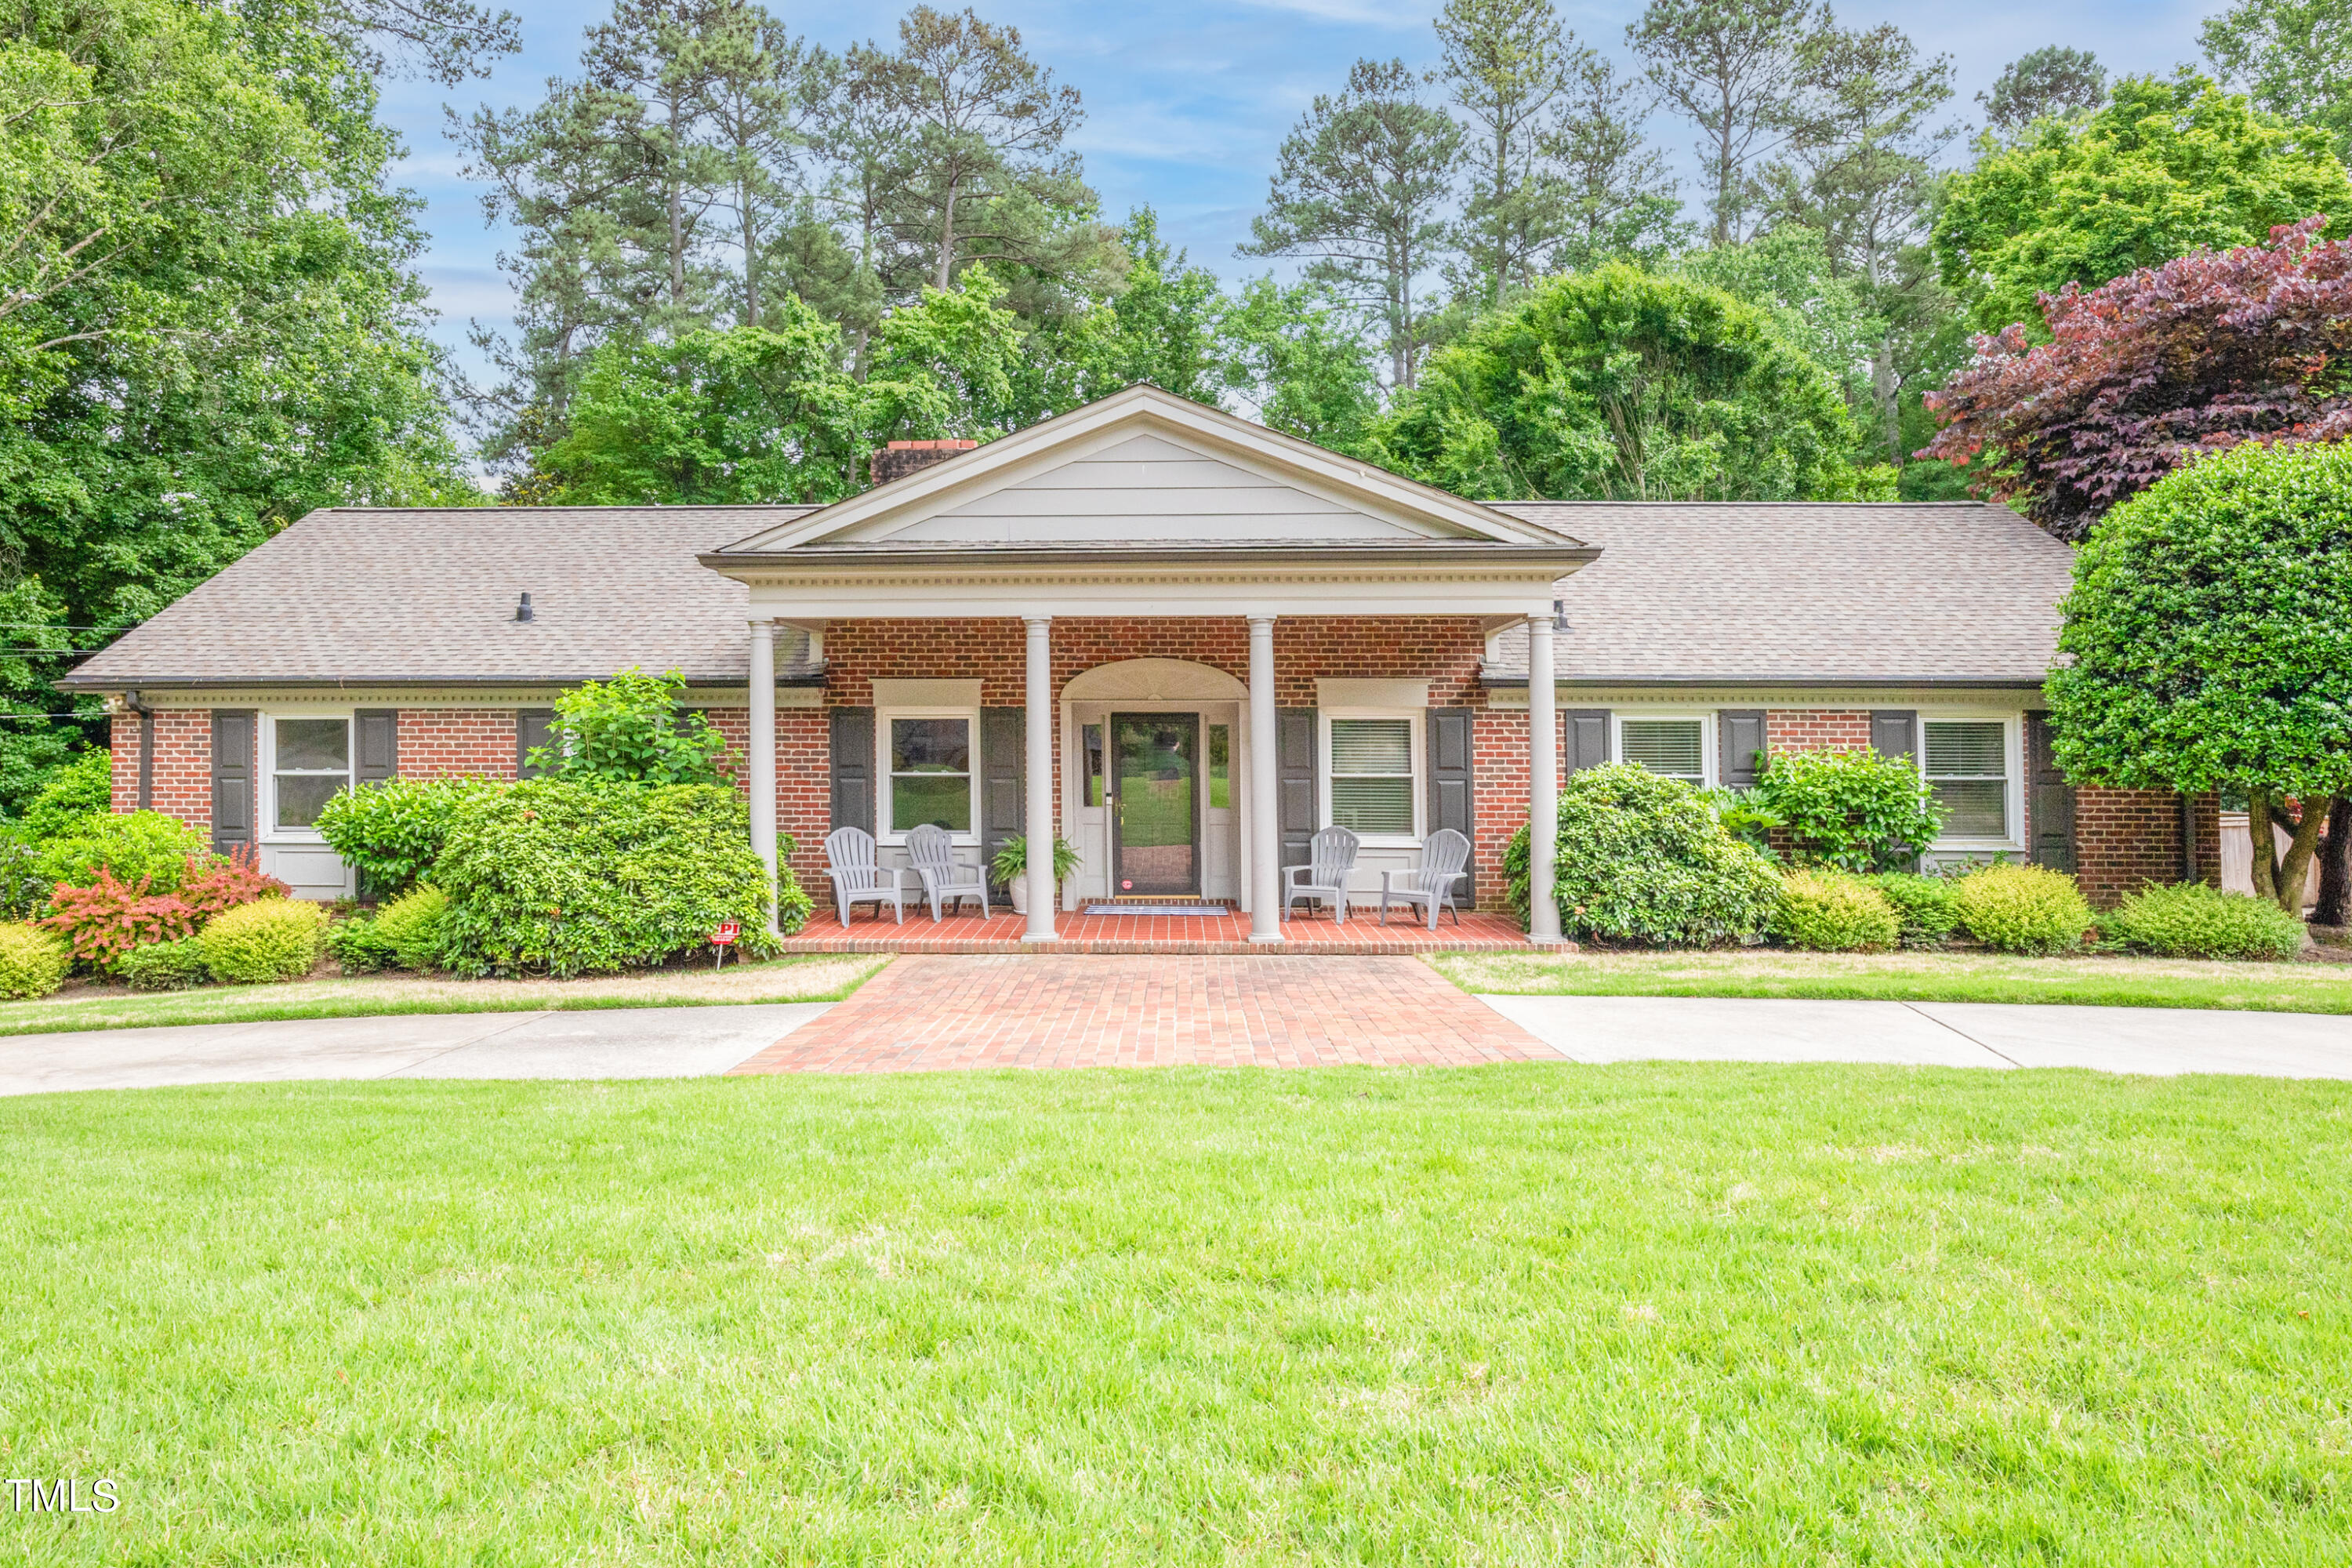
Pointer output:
x,y
1817,729
182,777
2125,838
451,742
1498,743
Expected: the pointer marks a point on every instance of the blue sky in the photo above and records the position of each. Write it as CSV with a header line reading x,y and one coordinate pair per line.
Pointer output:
x,y
1188,99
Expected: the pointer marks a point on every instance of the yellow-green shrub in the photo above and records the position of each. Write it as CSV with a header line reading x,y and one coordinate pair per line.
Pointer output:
x,y
276,938
411,926
33,962
2022,908
1827,912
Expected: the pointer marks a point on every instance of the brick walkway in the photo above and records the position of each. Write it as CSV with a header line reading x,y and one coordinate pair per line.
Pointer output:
x,y
1227,934
927,1013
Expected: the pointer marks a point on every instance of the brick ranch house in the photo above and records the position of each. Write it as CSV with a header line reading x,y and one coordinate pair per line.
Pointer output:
x,y
1180,640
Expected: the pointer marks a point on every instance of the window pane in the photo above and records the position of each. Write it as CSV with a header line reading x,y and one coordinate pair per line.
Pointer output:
x,y
302,796
305,745
1974,809
1967,750
1092,733
1372,804
1372,746
1669,746
930,745
1220,767
941,798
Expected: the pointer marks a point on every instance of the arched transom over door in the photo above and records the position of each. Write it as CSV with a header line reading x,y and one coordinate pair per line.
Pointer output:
x,y
1153,775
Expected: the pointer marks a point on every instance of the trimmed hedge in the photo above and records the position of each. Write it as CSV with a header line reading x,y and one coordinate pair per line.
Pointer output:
x,y
1926,906
255,944
357,947
2194,920
33,962
164,966
2022,908
1644,860
569,879
1827,911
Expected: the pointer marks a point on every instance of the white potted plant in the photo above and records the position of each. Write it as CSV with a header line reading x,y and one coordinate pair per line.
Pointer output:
x,y
1010,867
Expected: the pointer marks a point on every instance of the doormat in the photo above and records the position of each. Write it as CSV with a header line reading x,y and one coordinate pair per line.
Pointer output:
x,y
1158,909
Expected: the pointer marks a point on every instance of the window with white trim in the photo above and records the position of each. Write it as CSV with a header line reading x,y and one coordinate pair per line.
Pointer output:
x,y
1967,770
1674,747
1370,784
309,764
928,771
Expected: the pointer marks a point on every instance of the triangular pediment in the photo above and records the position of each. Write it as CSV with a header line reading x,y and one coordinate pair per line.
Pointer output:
x,y
1144,467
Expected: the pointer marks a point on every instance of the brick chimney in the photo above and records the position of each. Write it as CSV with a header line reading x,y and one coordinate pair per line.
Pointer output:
x,y
901,459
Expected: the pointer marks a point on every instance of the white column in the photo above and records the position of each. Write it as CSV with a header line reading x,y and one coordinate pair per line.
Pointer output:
x,y
1037,820
1265,807
763,752
1543,783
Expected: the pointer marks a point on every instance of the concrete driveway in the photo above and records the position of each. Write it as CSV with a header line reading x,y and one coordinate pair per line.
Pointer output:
x,y
614,1042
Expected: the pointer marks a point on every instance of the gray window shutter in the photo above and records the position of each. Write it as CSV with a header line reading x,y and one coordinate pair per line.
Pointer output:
x,y
375,740
1585,732
1451,781
533,727
1295,781
2050,799
1003,770
1894,731
852,768
1740,736
232,777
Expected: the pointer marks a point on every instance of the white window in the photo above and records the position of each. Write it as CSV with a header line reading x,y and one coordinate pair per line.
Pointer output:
x,y
929,771
1674,747
1969,773
1369,783
309,764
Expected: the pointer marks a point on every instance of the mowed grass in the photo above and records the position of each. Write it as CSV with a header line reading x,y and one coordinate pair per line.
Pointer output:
x,y
2110,982
800,977
1533,1314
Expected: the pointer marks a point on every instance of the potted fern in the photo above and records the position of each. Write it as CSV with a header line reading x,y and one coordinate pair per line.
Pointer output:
x,y
1010,867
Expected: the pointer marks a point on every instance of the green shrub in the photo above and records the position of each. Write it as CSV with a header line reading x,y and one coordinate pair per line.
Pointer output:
x,y
1926,906
411,927
33,962
633,729
2022,908
1644,860
2193,920
358,947
793,903
164,966
575,879
135,845
83,788
1830,912
1853,809
253,945
391,832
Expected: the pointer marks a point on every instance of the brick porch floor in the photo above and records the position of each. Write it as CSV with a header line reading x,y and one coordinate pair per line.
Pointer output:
x,y
1227,934
928,1013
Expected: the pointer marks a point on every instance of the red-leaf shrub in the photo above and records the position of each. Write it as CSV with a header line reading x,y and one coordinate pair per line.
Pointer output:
x,y
230,881
2151,370
106,920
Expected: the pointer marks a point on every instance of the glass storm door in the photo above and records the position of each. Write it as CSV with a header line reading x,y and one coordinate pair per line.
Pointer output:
x,y
1155,804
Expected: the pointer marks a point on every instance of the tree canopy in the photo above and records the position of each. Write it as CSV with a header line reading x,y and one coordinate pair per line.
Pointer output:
x,y
2207,643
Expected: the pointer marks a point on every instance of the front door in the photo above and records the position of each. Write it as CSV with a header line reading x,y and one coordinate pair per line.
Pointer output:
x,y
1155,804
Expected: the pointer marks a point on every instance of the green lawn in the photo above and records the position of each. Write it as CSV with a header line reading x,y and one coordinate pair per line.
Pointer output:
x,y
2313,987
1534,1314
803,977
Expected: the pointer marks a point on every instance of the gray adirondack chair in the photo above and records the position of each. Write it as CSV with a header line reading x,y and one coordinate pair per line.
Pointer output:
x,y
1444,860
850,865
932,850
1330,857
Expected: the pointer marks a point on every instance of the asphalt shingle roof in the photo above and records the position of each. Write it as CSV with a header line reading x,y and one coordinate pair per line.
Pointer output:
x,y
1797,591
365,596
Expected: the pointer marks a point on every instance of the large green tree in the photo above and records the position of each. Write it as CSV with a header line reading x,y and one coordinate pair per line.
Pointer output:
x,y
1623,384
1735,69
2294,58
2168,166
2208,644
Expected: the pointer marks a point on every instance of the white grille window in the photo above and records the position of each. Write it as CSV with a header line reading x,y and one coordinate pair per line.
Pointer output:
x,y
311,764
1674,747
1371,777
930,774
1967,770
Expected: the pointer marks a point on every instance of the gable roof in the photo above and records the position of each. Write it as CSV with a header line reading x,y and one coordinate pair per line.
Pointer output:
x,y
1103,476
362,596
1800,592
